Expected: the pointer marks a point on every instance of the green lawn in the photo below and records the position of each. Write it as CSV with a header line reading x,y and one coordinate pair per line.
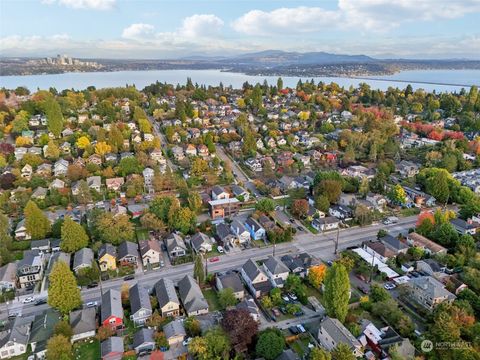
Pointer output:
x,y
300,346
212,299
314,292
142,234
89,349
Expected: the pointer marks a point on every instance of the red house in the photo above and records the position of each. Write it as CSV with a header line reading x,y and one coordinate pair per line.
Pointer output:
x,y
111,309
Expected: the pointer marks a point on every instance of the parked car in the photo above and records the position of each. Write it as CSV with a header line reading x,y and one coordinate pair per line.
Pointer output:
x,y
91,304
40,301
187,341
129,277
301,328
329,263
300,228
28,300
294,330
299,313
292,296
363,289
389,286
214,259
286,298
283,310
92,285
276,312
220,249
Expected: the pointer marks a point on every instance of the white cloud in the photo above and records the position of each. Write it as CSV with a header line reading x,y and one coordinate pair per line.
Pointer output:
x,y
285,20
83,4
377,15
138,31
201,25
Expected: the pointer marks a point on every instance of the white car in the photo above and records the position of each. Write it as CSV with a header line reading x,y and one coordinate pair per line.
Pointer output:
x,y
187,341
28,300
389,286
220,249
91,304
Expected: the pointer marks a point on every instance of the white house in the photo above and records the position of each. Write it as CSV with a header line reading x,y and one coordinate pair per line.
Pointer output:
x,y
243,235
276,271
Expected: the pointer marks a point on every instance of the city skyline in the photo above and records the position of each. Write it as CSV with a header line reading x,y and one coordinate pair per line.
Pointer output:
x,y
167,29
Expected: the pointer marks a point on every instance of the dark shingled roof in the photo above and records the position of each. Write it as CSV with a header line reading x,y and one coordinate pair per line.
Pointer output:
x,y
166,293
111,305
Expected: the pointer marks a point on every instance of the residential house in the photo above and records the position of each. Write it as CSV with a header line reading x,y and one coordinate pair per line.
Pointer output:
x,y
240,231
266,222
174,332
325,224
299,264
143,341
83,258
428,292
222,208
44,170
14,337
257,281
407,169
240,192
127,253
276,270
157,155
257,232
111,314
83,323
394,244
150,252
60,167
225,235
114,184
41,331
219,193
175,246
40,193
340,212
378,250
148,175
30,269
414,239
254,165
107,257
8,276
27,171
168,302
191,296
432,268
40,245
465,227
112,348
231,280
140,306
252,308
200,243
379,202
331,333
202,150
57,184
95,159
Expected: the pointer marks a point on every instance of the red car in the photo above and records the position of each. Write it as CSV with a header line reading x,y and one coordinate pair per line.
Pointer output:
x,y
214,259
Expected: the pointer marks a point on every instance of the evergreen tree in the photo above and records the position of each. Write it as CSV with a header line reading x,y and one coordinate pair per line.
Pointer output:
x,y
54,116
63,293
36,222
73,235
198,270
337,291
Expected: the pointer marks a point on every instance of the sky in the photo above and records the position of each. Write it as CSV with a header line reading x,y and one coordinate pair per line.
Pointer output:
x,y
162,29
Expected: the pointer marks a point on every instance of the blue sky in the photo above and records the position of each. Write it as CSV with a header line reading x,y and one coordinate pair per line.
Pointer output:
x,y
173,28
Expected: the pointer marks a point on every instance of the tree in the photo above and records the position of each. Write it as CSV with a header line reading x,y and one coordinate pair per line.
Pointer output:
x,y
199,167
343,352
425,223
129,165
240,327
83,142
152,222
397,195
322,203
378,293
63,293
215,345
226,298
300,208
198,270
319,354
363,215
59,347
182,218
36,222
265,205
63,328
52,152
446,235
83,193
74,236
316,275
337,291
270,344
330,188
54,116
104,332
194,201
192,326
102,148
115,229
160,206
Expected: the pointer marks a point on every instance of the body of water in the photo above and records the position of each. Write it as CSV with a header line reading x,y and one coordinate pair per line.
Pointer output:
x,y
439,80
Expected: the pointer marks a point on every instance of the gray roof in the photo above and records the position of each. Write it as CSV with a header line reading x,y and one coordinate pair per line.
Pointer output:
x,y
198,240
83,320
107,249
254,224
338,332
237,227
112,344
223,231
8,272
127,248
42,328
139,298
146,245
251,269
191,295
166,292
237,190
83,257
249,305
431,286
174,240
275,266
217,190
58,256
17,331
111,305
231,280
30,258
37,244
174,328
393,243
288,354
142,337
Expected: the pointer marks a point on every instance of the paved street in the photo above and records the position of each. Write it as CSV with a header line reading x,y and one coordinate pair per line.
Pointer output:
x,y
163,143
319,245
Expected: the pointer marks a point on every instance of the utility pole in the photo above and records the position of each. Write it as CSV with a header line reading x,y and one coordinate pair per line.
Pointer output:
x,y
336,241
274,245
